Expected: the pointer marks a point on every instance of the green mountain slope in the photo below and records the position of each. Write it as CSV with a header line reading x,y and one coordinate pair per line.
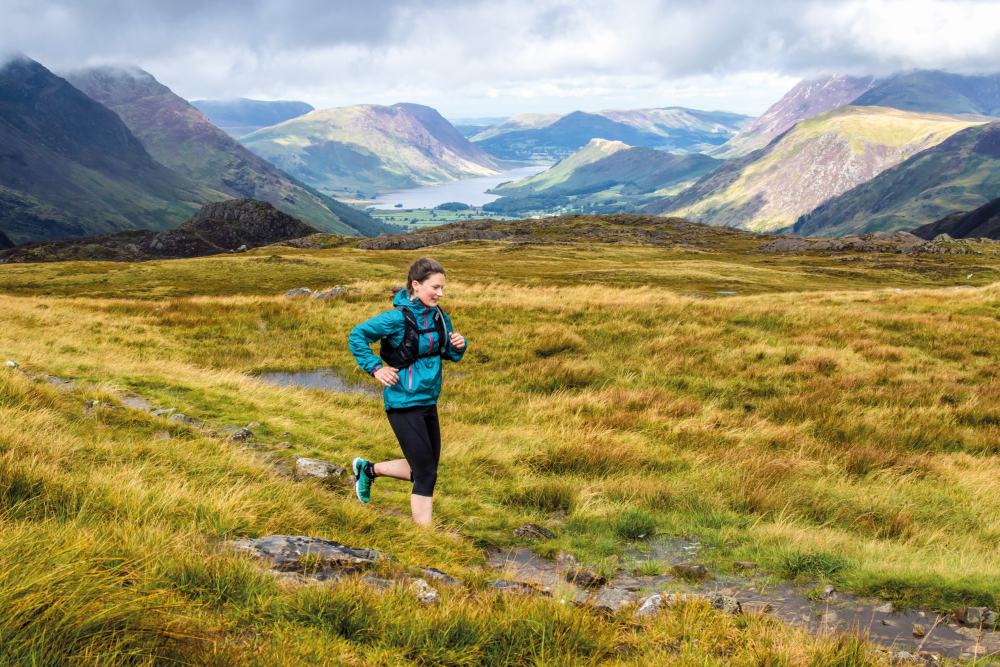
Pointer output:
x,y
959,174
984,222
816,160
937,92
242,116
604,176
179,136
70,167
562,171
370,148
672,128
806,99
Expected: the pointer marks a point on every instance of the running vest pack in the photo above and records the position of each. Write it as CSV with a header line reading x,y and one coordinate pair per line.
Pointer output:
x,y
408,350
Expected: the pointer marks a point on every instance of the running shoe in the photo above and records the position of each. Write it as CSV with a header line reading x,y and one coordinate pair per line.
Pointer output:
x,y
362,482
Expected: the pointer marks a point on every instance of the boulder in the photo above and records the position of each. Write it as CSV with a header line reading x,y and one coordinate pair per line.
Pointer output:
x,y
237,434
532,531
324,295
312,556
517,587
298,292
690,571
10,364
650,606
426,594
726,603
435,574
318,468
585,577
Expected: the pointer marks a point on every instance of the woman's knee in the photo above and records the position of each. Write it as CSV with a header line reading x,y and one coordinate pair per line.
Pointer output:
x,y
424,481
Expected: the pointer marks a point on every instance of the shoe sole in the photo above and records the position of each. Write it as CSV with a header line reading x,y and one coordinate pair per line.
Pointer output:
x,y
357,478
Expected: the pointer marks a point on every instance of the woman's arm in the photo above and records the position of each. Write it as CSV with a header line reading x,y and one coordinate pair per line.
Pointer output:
x,y
453,353
370,331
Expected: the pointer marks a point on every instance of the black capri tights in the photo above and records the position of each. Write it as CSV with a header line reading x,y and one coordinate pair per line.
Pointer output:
x,y
419,436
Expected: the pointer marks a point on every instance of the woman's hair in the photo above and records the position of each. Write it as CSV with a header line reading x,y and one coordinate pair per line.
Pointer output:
x,y
421,270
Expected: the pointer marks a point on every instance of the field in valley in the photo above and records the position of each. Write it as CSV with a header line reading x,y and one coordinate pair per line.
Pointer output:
x,y
832,418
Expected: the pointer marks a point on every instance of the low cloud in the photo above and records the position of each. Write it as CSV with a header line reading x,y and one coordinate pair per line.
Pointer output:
x,y
502,56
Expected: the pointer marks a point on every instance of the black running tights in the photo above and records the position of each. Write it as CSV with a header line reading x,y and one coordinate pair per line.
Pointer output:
x,y
419,436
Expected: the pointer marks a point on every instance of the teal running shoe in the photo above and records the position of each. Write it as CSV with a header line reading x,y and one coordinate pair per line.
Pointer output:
x,y
362,482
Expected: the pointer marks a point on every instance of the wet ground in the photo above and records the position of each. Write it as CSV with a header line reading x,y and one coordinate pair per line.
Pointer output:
x,y
322,378
808,605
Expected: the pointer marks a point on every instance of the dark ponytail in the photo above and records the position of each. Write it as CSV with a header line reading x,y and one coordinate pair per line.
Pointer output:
x,y
422,269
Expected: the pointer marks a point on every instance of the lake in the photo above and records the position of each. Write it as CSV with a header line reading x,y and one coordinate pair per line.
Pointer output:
x,y
471,191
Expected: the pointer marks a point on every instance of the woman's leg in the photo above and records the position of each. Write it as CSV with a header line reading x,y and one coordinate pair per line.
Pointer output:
x,y
421,448
397,469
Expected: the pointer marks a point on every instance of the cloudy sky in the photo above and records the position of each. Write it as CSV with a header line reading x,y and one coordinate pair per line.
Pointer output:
x,y
498,57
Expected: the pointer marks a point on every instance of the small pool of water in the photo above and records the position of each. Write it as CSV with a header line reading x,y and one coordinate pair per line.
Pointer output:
x,y
322,378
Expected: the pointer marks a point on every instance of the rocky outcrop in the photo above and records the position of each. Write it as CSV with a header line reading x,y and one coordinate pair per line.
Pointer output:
x,y
230,226
899,242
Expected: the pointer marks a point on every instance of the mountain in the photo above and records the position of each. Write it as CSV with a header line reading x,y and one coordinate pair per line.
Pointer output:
x,y
805,100
234,225
242,116
369,148
182,138
562,172
936,92
816,160
984,222
5,242
672,128
522,121
70,167
959,174
603,176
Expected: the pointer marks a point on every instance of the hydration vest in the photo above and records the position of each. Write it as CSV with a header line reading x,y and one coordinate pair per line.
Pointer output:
x,y
409,350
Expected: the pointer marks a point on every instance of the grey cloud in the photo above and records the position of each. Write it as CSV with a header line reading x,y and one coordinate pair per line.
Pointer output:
x,y
531,53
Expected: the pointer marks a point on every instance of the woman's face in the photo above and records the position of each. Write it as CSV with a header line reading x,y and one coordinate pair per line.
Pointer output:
x,y
429,291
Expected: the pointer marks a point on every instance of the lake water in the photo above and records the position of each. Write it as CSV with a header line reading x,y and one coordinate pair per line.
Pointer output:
x,y
471,191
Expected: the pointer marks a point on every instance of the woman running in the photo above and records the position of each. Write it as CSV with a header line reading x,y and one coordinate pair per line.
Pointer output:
x,y
415,337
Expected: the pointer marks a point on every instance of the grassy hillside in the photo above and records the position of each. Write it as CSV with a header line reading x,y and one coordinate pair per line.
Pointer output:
x,y
561,172
959,174
835,420
813,162
368,148
983,222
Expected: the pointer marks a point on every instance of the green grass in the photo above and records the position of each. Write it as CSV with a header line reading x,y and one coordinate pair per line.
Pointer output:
x,y
819,423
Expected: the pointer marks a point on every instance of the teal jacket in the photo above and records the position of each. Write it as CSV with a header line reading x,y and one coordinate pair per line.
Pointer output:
x,y
420,383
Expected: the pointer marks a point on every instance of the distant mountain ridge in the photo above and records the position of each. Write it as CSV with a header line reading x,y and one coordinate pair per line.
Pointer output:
x,y
242,116
180,137
370,148
70,167
603,176
959,174
806,99
814,161
984,222
936,92
671,128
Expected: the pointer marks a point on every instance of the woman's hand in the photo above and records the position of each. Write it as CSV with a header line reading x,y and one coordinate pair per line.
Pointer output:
x,y
387,375
457,341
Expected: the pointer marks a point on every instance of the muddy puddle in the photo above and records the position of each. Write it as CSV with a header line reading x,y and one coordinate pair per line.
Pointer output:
x,y
810,606
323,378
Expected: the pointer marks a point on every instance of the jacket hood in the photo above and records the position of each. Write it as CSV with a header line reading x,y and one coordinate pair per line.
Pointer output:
x,y
402,298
